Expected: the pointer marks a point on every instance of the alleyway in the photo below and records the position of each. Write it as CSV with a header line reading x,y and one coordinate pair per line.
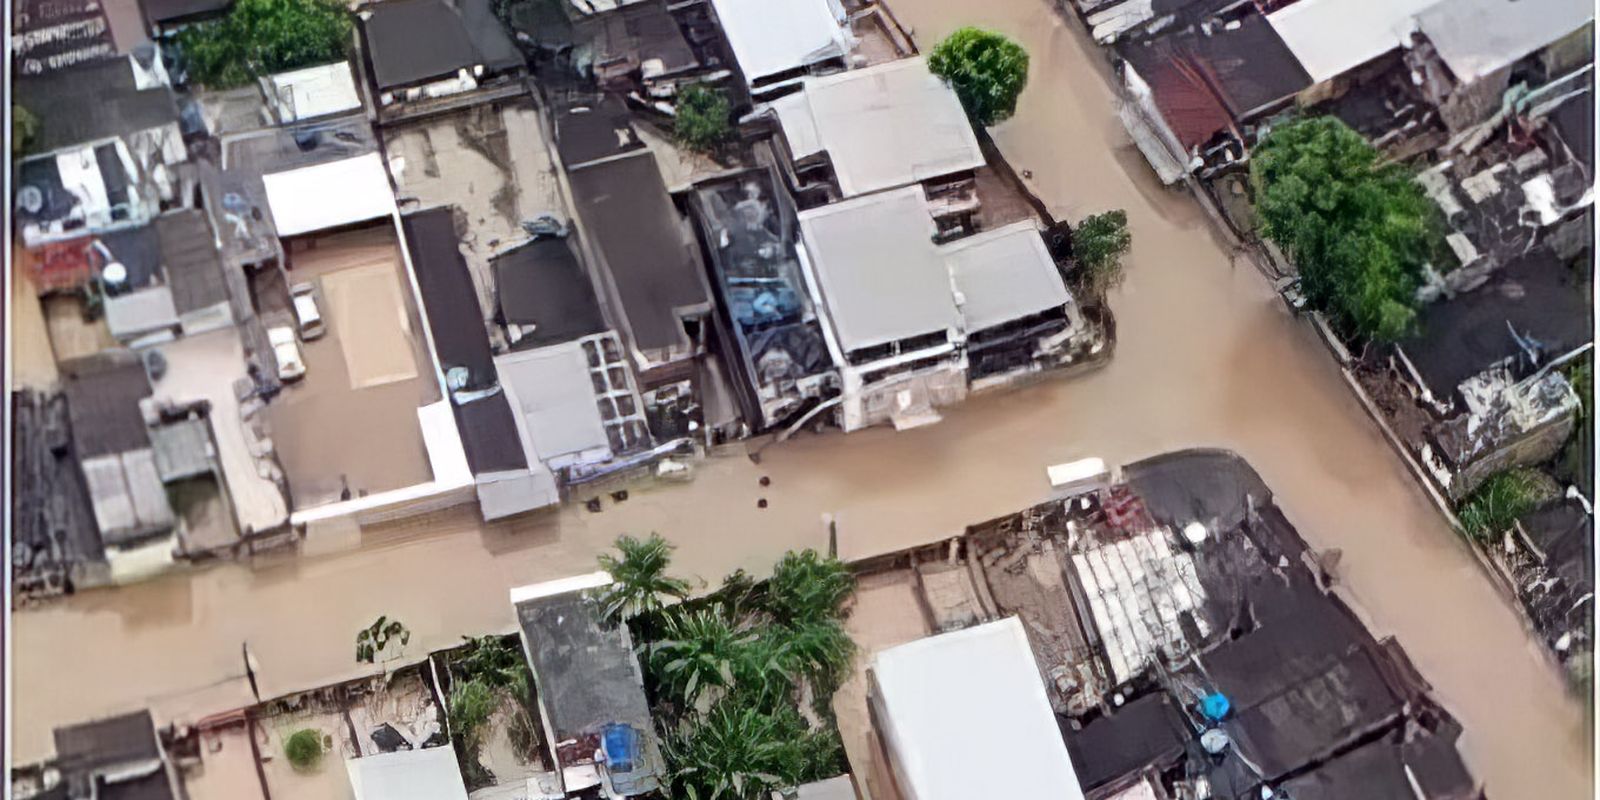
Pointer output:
x,y
1207,357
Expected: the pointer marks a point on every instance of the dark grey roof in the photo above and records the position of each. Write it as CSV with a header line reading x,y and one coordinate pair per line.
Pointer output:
x,y
1373,772
585,670
53,522
1561,529
65,31
489,435
541,283
630,219
194,267
416,41
114,740
448,294
1149,731
137,249
587,130
96,100
164,12
1538,296
103,393
638,32
1573,120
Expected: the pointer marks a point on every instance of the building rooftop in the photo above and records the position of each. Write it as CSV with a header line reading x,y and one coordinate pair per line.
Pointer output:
x,y
193,265
1147,732
553,399
313,92
881,127
431,773
489,435
967,717
541,283
330,194
1536,298
418,41
1573,121
1331,37
881,276
103,396
594,128
587,676
771,37
637,33
1004,274
96,100
1205,82
167,12
627,216
459,336
1477,37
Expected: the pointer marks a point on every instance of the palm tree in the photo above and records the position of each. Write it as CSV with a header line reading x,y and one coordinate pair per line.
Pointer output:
x,y
699,657
807,587
742,751
640,584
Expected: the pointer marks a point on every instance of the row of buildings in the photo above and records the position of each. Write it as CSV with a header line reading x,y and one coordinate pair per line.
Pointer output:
x,y
471,264
1163,636
1491,103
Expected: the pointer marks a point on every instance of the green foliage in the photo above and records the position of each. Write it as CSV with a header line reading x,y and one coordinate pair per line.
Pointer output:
x,y
24,127
702,121
262,37
1098,246
493,661
987,71
640,584
371,640
1360,232
807,587
303,748
696,660
818,649
472,702
1577,457
1502,499
740,751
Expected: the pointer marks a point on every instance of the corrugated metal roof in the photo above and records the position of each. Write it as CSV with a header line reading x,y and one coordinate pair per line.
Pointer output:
x,y
1003,275
773,36
1477,37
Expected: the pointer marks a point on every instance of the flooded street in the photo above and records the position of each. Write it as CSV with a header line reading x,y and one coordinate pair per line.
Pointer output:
x,y
1207,358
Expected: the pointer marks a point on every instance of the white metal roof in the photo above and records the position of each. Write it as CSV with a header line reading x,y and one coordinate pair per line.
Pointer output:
x,y
881,276
1330,37
965,715
1477,37
553,401
315,91
428,774
883,126
773,36
1003,275
329,195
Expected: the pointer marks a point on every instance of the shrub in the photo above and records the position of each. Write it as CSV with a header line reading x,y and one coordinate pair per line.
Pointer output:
x,y
740,751
472,702
807,587
24,127
1098,246
496,663
702,118
303,748
698,657
986,70
1502,499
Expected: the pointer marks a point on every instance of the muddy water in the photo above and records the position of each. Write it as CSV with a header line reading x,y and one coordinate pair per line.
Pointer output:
x,y
1207,358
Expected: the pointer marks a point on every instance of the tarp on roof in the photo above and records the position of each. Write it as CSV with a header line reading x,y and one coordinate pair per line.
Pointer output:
x,y
1003,275
329,195
965,715
882,278
553,399
428,774
1331,37
773,36
1477,37
883,126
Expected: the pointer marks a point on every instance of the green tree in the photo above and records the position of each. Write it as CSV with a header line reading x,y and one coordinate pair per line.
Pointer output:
x,y
987,71
639,581
700,656
24,127
1098,246
742,751
806,586
493,661
702,121
262,37
1360,232
303,748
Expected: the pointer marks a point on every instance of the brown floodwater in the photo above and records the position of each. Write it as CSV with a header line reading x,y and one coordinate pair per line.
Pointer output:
x,y
1207,358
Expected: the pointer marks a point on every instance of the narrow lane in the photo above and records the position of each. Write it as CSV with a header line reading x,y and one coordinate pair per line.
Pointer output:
x,y
1207,357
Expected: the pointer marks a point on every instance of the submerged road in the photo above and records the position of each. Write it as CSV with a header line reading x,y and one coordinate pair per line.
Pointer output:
x,y
1207,357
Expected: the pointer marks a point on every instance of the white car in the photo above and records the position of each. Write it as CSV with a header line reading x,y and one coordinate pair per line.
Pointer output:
x,y
287,352
307,310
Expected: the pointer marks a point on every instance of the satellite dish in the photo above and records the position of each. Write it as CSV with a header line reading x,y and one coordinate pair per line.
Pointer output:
x,y
114,273
30,199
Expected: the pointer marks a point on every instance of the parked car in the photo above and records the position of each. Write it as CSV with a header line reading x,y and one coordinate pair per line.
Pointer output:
x,y
308,310
287,351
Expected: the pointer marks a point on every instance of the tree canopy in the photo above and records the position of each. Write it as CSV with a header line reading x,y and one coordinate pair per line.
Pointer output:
x,y
702,121
1360,232
1098,246
262,37
640,583
987,71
